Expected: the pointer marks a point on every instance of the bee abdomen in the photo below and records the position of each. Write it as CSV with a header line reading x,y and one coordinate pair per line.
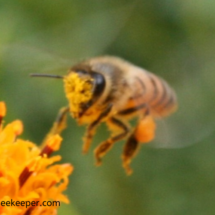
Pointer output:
x,y
163,99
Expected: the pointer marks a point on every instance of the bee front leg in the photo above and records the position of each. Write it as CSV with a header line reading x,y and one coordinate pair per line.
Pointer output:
x,y
91,129
105,146
59,124
143,133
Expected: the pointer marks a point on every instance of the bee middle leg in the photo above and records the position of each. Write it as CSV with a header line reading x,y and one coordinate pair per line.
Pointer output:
x,y
91,129
105,146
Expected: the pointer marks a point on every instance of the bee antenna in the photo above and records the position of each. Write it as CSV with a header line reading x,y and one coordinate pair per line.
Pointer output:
x,y
45,75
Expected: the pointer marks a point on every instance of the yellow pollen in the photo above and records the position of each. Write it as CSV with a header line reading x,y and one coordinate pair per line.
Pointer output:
x,y
54,142
17,127
2,109
78,91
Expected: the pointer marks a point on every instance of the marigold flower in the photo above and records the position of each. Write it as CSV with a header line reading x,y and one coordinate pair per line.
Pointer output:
x,y
27,172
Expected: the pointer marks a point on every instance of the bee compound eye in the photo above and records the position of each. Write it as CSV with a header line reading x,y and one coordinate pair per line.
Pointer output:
x,y
99,84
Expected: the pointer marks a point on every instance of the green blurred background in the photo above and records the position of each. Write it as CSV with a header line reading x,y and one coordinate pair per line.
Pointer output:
x,y
175,40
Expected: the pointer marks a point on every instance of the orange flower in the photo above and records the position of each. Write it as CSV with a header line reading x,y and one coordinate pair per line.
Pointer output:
x,y
27,173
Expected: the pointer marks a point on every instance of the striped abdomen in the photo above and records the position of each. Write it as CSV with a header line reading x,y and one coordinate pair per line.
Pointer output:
x,y
152,92
158,95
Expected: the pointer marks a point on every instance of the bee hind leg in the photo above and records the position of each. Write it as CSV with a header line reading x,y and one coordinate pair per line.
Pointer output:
x,y
130,150
143,133
105,146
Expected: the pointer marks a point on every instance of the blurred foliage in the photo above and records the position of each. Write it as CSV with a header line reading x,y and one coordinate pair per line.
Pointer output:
x,y
175,40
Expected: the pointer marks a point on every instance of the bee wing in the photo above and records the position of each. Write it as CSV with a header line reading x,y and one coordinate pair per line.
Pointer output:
x,y
162,135
28,58
169,134
192,123
54,48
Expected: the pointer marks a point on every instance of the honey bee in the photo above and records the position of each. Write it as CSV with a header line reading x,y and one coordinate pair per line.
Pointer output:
x,y
111,90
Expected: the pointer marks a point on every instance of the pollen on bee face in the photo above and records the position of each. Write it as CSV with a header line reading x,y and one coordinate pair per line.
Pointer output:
x,y
78,91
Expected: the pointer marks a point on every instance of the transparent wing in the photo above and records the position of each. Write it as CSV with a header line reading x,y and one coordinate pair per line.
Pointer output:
x,y
59,48
192,122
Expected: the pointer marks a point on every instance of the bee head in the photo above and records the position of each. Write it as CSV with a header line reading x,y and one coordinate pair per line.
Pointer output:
x,y
82,90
